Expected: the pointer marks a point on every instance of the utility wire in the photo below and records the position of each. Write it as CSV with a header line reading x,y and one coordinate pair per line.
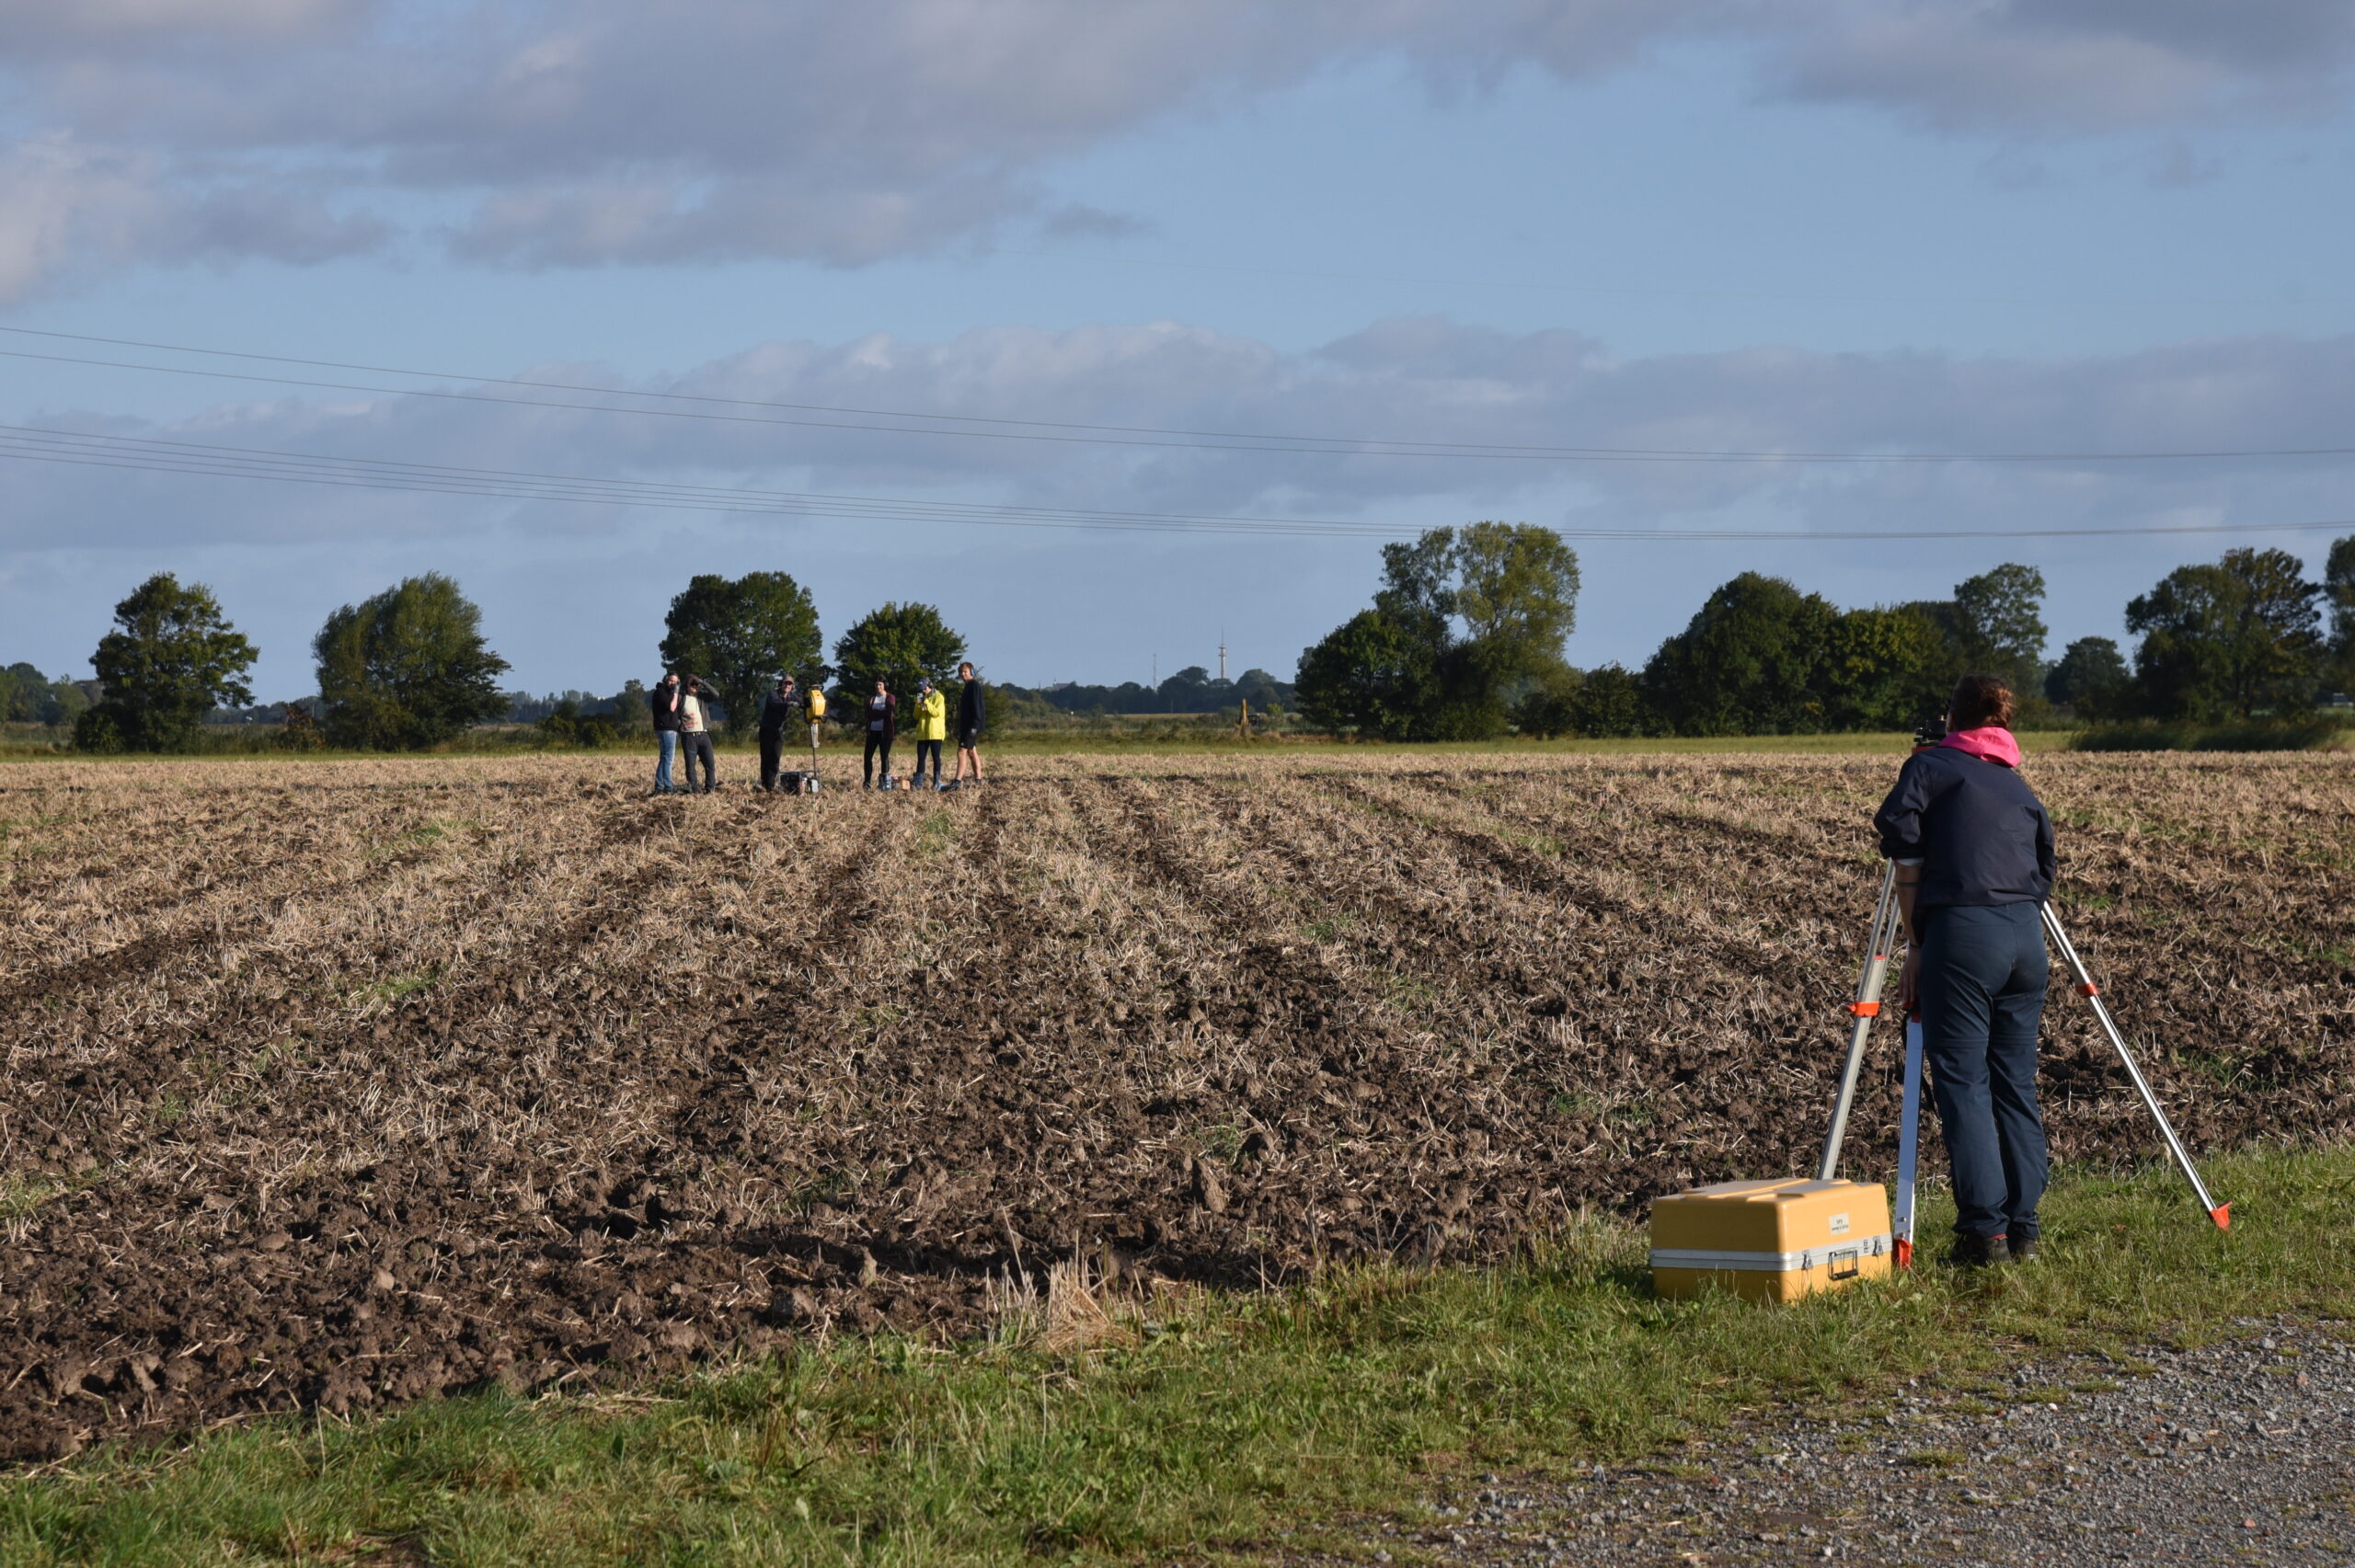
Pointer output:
x,y
1069,432
82,449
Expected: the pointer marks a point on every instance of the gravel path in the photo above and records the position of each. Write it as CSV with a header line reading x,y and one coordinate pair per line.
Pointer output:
x,y
2239,1453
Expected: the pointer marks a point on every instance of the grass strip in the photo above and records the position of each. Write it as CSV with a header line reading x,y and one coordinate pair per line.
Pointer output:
x,y
1208,1424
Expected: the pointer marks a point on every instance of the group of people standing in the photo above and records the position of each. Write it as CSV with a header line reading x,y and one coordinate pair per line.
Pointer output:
x,y
681,723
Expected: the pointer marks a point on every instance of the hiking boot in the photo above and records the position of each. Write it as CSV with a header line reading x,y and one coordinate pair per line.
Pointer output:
x,y
1979,1251
2020,1248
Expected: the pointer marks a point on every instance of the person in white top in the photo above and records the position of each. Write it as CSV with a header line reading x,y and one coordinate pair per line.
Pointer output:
x,y
694,732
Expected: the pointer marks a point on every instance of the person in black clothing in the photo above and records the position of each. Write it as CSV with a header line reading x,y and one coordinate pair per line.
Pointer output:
x,y
665,698
780,711
882,729
968,727
1975,863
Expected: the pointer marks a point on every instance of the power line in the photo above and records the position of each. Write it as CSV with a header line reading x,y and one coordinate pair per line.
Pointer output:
x,y
83,448
1075,434
1634,290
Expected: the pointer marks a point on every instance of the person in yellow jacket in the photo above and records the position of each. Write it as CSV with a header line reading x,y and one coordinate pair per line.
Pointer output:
x,y
814,710
932,729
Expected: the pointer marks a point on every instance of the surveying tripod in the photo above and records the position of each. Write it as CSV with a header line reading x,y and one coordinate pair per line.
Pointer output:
x,y
1886,928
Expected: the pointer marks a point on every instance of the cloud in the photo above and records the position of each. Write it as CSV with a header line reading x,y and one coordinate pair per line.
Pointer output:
x,y
68,204
600,131
1069,418
2064,65
576,590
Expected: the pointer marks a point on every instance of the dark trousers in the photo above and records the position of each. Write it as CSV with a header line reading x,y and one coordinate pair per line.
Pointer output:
x,y
771,758
877,744
696,747
927,748
1983,994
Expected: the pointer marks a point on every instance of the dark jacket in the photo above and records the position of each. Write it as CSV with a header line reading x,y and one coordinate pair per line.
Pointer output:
x,y
1979,832
970,709
665,700
776,712
891,731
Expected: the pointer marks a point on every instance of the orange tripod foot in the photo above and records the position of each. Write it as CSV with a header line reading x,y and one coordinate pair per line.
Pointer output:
x,y
2222,1215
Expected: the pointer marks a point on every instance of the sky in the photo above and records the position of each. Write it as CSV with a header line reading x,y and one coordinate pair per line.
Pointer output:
x,y
1119,331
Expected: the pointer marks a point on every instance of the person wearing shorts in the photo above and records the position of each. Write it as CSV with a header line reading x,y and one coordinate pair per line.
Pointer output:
x,y
968,727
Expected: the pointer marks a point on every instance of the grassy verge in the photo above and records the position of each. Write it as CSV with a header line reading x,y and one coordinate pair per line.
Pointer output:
x,y
1203,1425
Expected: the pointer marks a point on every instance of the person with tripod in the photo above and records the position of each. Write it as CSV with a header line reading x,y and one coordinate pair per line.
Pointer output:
x,y
1974,863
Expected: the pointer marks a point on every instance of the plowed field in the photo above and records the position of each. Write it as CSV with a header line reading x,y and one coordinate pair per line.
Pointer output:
x,y
348,1083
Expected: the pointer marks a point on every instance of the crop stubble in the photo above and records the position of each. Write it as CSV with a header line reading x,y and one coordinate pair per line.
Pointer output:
x,y
350,1083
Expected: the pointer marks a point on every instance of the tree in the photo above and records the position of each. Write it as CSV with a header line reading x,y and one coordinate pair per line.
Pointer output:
x,y
407,668
1548,706
2338,593
566,724
1262,691
2000,625
1749,662
2239,638
2091,681
1610,705
172,658
740,633
1463,619
27,696
1883,668
1371,676
898,644
1517,593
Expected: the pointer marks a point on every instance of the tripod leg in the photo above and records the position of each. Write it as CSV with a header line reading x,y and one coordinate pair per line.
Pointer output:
x,y
1864,1009
2221,1213
1909,1144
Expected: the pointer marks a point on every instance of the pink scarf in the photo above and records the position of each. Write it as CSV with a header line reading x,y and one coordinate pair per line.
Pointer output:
x,y
1993,742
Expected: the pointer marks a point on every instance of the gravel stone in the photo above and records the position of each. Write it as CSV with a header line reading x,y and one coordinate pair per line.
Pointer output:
x,y
2241,1452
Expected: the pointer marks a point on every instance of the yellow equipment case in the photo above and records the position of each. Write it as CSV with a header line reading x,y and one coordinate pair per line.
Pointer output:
x,y
1770,1241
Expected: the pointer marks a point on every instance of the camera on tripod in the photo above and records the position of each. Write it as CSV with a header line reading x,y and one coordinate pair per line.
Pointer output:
x,y
1929,732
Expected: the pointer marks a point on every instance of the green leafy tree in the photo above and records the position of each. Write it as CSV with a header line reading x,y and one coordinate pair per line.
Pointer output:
x,y
2228,640
172,658
1999,618
1995,622
1374,675
1610,705
898,644
2091,681
1464,618
1516,591
565,724
407,668
1750,662
1548,704
24,694
740,633
1883,668
2338,594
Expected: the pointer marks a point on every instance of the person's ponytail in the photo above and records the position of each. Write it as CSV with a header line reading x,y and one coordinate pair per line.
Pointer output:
x,y
1979,702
